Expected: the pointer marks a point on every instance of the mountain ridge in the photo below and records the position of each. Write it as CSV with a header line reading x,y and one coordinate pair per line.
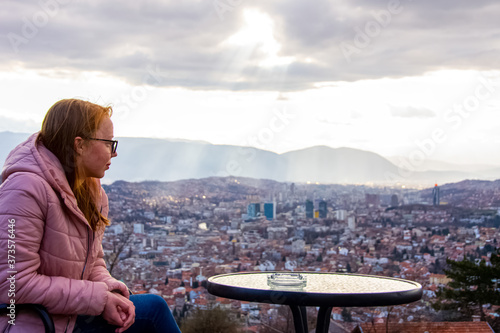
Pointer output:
x,y
155,159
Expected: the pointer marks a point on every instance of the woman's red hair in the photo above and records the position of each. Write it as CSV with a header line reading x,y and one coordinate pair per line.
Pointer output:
x,y
66,120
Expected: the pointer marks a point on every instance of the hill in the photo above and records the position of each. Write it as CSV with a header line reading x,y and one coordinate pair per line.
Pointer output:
x,y
142,159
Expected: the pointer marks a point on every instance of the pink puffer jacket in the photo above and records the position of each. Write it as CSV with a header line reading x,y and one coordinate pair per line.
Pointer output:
x,y
57,259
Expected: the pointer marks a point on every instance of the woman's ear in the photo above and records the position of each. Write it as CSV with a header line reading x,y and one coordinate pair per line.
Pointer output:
x,y
78,145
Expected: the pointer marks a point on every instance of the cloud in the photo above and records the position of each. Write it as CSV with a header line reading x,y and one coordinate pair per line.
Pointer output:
x,y
185,40
412,112
332,121
282,97
18,125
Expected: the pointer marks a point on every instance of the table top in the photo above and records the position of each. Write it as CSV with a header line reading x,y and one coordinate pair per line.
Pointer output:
x,y
321,289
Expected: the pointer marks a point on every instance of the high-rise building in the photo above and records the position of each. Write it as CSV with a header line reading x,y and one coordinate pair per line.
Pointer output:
x,y
351,222
322,209
309,209
253,210
372,199
269,210
340,214
435,195
394,200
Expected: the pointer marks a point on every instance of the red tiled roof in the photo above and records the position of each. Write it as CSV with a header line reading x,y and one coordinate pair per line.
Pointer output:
x,y
222,300
201,301
440,327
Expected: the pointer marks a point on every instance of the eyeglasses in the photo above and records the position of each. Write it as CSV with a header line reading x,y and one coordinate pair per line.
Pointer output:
x,y
114,143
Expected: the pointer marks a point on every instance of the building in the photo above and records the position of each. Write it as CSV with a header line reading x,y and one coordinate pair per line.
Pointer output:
x,y
372,200
323,210
253,210
351,222
138,228
340,214
299,246
269,210
277,232
116,228
435,195
309,209
394,200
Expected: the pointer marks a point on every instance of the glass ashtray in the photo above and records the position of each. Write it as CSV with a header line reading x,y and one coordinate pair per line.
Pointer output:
x,y
286,280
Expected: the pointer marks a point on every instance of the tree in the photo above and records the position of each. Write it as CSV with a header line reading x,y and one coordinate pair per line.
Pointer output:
x,y
214,320
282,322
473,285
346,315
118,247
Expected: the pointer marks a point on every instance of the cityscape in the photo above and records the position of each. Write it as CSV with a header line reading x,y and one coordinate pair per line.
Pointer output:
x,y
168,238
349,137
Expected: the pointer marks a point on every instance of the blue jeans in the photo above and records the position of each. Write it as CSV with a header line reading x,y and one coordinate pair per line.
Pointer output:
x,y
151,315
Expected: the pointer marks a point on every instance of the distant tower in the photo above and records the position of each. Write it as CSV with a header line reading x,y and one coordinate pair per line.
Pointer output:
x,y
435,195
372,199
322,209
309,209
394,200
269,211
253,209
351,222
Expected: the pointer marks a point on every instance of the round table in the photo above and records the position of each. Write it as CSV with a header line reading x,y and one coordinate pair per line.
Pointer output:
x,y
325,290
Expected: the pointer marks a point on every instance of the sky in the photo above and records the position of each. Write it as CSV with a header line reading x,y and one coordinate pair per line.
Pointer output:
x,y
419,80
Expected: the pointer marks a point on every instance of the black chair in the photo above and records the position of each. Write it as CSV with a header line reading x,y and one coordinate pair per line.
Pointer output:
x,y
39,309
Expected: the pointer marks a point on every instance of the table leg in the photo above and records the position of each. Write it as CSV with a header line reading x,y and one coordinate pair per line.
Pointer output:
x,y
323,321
299,318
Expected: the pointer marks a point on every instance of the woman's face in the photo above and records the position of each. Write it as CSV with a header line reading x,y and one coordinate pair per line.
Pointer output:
x,y
95,157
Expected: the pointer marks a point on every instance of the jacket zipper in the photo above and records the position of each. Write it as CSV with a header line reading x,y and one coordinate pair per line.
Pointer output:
x,y
67,324
83,271
88,248
84,265
88,251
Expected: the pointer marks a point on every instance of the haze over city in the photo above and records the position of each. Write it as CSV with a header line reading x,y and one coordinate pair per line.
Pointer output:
x,y
413,79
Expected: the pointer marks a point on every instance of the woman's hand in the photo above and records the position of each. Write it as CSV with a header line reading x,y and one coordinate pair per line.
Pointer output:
x,y
121,288
119,311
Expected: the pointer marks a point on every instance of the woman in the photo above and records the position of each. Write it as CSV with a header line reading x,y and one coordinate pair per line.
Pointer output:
x,y
53,212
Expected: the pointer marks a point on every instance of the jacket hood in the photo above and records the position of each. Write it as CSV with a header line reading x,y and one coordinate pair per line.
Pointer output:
x,y
33,157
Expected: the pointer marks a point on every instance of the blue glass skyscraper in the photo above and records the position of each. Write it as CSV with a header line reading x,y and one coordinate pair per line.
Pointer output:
x,y
253,209
309,209
269,210
322,209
